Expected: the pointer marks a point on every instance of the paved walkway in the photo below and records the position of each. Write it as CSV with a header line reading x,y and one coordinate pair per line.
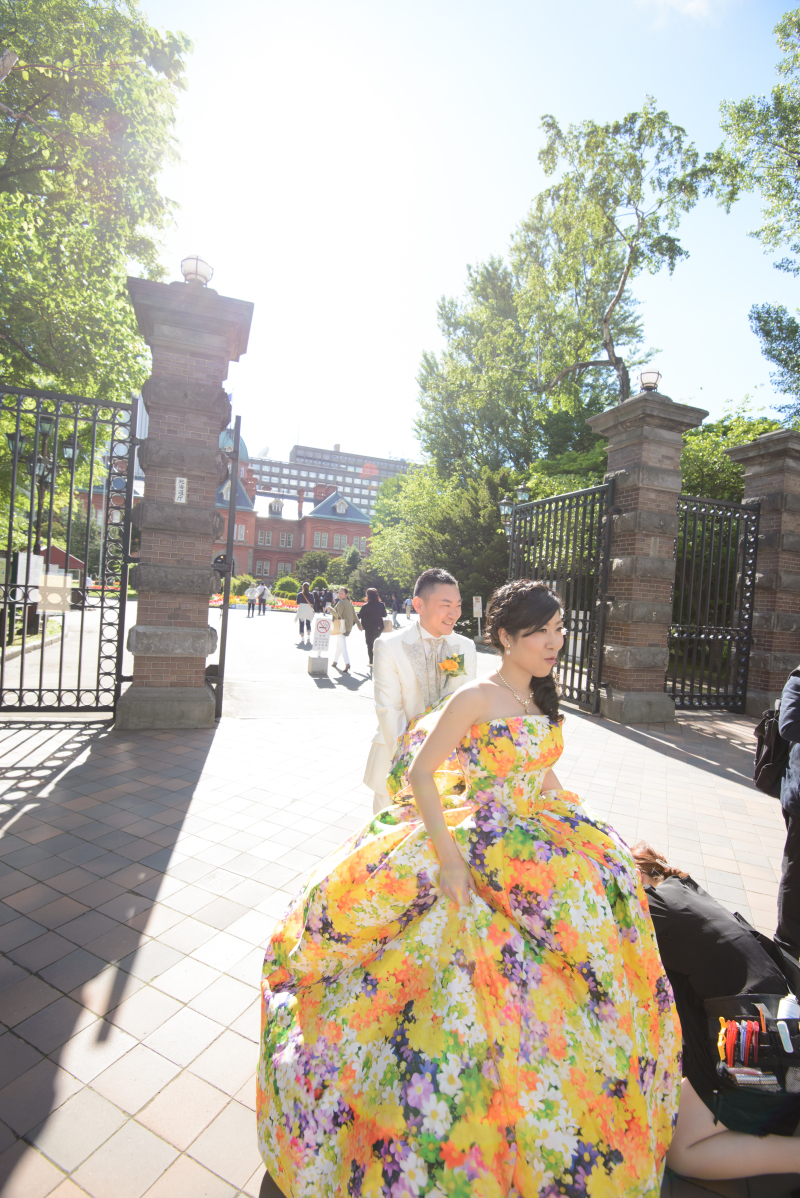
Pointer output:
x,y
141,874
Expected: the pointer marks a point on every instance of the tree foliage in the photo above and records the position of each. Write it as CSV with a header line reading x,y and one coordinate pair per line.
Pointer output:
x,y
86,126
706,470
312,563
761,153
547,338
448,523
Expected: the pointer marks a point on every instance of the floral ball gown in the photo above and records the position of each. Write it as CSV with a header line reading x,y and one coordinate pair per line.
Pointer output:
x,y
526,1045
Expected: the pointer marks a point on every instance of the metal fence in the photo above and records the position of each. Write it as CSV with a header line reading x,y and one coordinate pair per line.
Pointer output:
x,y
66,488
711,633
565,541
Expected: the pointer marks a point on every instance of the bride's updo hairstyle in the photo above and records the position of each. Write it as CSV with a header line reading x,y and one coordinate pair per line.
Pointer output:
x,y
522,606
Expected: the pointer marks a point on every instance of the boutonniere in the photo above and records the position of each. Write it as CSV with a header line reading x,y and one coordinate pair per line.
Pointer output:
x,y
453,666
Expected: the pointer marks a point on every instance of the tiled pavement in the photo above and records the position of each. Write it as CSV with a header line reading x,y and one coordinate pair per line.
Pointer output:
x,y
140,876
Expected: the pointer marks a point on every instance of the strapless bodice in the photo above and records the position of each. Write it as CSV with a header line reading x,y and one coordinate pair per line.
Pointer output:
x,y
510,755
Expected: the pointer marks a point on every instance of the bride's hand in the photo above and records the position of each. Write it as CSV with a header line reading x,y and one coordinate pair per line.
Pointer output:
x,y
456,882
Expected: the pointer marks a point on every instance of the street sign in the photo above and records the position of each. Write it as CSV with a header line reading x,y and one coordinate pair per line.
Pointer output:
x,y
56,594
322,635
477,606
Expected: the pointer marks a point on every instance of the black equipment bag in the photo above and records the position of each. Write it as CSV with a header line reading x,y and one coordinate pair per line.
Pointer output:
x,y
772,755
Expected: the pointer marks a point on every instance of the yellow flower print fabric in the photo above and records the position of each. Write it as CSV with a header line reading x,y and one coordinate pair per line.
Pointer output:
x,y
524,1047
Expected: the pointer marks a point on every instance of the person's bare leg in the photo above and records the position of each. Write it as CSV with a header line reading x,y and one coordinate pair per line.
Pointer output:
x,y
704,1149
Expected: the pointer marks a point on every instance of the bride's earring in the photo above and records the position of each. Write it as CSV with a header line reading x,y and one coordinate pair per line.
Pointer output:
x,y
508,651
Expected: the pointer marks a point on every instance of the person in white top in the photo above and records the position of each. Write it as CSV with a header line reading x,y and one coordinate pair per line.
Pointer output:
x,y
251,594
406,675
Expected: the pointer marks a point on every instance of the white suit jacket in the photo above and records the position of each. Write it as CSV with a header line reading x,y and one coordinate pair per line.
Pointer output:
x,y
398,695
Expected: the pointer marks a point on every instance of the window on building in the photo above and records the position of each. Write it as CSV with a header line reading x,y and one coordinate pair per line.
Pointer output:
x,y
320,540
266,567
240,532
258,567
363,544
267,538
344,540
286,540
261,536
317,542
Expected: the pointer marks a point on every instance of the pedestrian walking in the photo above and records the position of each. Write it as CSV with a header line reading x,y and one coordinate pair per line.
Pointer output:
x,y
251,594
409,606
305,611
344,617
397,610
318,596
372,615
264,593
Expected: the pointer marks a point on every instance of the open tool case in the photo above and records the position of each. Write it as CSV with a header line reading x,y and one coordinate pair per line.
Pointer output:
x,y
753,1051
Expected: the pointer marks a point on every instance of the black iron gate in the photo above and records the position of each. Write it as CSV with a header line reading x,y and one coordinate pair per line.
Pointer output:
x,y
565,542
712,611
66,492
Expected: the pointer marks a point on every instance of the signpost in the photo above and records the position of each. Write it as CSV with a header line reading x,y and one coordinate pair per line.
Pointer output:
x,y
477,610
317,664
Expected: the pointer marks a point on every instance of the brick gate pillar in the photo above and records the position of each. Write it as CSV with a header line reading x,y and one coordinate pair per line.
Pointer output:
x,y
645,437
772,476
194,333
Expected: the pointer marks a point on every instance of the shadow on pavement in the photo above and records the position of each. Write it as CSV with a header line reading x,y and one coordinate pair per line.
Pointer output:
x,y
691,740
88,819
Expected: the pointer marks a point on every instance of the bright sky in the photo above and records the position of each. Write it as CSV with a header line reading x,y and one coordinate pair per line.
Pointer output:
x,y
343,161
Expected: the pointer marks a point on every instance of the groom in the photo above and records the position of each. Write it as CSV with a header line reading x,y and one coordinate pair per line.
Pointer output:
x,y
406,673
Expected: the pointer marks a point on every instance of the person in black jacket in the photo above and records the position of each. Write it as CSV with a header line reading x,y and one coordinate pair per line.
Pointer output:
x,y
372,615
708,953
788,930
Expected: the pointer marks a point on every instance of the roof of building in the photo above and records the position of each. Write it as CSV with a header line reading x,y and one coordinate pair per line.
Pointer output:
x,y
226,443
243,501
289,510
326,510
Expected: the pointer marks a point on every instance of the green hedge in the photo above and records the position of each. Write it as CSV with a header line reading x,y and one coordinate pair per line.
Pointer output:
x,y
286,586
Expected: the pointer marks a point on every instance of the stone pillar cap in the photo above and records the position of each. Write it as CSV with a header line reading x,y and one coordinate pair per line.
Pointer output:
x,y
781,443
187,306
648,407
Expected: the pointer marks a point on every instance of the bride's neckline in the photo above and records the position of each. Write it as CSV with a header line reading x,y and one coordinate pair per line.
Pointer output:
x,y
506,719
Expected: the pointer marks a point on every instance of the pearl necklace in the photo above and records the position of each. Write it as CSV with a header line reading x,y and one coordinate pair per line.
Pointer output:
x,y
522,702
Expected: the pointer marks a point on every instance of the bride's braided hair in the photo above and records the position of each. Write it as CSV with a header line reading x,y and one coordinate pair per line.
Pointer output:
x,y
520,606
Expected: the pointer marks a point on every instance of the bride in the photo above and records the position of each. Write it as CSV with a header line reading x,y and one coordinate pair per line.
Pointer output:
x,y
467,998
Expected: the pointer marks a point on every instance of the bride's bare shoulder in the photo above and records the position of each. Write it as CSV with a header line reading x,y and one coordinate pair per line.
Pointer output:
x,y
474,700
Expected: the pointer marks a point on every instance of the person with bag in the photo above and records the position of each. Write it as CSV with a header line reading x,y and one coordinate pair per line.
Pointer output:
x,y
373,615
344,617
787,753
728,1126
251,595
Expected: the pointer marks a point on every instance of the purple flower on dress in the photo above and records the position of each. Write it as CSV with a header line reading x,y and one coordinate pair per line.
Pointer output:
x,y
418,1089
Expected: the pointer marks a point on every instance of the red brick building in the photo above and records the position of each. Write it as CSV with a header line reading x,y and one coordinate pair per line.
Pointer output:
x,y
273,530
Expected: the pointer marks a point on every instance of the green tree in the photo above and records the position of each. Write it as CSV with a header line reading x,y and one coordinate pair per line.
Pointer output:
x,y
761,153
367,575
352,558
444,522
338,572
86,126
523,366
312,563
707,471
